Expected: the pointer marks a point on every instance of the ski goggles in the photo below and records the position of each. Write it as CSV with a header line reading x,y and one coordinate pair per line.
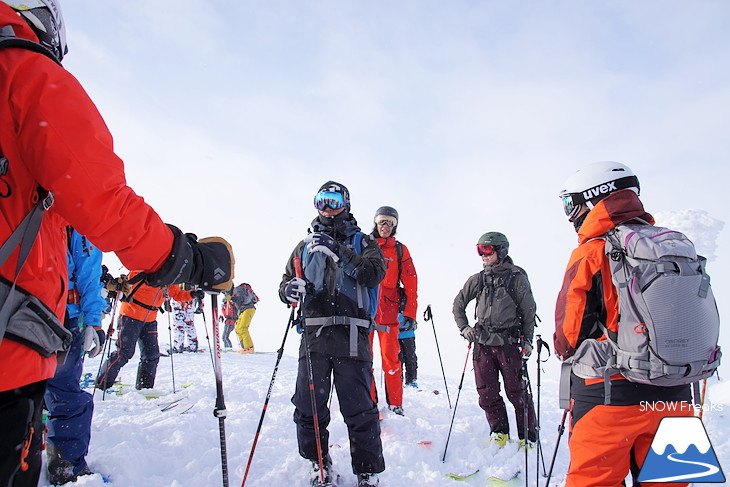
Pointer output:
x,y
388,222
331,199
483,249
568,204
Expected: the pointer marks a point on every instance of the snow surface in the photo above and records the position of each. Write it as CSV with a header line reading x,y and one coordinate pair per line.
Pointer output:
x,y
136,444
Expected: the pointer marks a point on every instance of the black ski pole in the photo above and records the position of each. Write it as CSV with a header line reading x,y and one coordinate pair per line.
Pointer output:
x,y
526,396
539,457
280,352
168,308
107,345
207,338
458,393
429,317
220,405
561,429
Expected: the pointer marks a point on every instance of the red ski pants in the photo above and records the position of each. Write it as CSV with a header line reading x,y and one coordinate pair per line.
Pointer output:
x,y
392,370
603,442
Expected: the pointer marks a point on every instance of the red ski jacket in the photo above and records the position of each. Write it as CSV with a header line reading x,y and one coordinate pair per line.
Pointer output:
x,y
53,136
389,298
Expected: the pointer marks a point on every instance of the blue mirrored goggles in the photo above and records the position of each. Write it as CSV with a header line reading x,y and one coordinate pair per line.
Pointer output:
x,y
331,199
568,204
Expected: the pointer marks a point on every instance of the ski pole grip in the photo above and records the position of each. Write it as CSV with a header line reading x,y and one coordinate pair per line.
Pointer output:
x,y
298,272
298,266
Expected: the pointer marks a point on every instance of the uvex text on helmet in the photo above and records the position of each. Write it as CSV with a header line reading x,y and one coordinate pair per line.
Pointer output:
x,y
593,182
498,240
46,20
386,211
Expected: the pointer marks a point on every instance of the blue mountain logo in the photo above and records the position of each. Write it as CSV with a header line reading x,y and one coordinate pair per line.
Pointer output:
x,y
681,452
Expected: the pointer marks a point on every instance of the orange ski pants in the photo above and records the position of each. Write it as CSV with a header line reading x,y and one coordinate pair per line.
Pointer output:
x,y
603,442
392,369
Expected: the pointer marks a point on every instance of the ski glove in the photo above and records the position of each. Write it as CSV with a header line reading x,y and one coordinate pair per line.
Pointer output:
x,y
469,333
206,263
526,350
295,290
408,324
94,338
321,242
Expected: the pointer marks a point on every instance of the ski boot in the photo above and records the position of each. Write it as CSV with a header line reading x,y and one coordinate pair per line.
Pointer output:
x,y
397,410
499,439
315,478
367,480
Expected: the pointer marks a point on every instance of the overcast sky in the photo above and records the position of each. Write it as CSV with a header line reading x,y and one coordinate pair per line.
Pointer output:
x,y
466,116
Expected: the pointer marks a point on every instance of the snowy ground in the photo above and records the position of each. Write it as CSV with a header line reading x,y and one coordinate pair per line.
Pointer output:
x,y
136,444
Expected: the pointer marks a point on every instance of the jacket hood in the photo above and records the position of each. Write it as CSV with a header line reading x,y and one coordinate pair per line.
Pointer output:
x,y
617,208
8,17
385,241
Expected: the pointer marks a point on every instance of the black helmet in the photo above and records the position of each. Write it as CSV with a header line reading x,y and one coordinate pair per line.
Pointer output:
x,y
387,211
498,240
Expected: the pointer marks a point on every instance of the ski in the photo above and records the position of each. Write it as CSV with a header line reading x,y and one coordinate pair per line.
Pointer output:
x,y
156,393
512,481
468,476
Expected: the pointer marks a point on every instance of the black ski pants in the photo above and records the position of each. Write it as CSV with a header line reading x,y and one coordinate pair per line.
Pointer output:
x,y
408,358
21,417
489,363
131,332
352,380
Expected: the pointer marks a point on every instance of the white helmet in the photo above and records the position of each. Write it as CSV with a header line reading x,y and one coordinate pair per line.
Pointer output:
x,y
593,182
46,20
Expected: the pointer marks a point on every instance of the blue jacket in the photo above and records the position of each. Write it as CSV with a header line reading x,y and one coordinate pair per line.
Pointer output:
x,y
84,275
404,334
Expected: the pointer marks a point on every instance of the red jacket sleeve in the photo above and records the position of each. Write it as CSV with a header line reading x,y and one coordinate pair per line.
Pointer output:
x,y
409,278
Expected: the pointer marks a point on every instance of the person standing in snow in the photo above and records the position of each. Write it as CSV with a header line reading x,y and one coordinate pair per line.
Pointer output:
x,y
183,313
244,299
70,408
336,321
228,318
607,440
398,296
58,168
502,337
138,324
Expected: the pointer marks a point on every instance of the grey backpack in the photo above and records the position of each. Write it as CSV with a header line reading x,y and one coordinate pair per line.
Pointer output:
x,y
668,319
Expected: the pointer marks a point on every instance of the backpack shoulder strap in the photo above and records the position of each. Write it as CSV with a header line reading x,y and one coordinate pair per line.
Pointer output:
x,y
399,254
8,39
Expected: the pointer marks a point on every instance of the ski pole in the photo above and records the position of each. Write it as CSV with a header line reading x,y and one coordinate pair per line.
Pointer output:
x,y
458,393
561,429
525,416
539,453
207,338
429,317
279,353
220,405
107,341
168,308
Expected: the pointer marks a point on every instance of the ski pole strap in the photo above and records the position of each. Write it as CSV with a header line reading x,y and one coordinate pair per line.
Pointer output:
x,y
353,323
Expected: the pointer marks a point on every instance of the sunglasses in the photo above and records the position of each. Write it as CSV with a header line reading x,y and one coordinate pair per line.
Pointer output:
x,y
334,200
386,223
483,249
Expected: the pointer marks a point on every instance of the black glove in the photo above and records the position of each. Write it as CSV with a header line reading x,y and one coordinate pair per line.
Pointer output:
x,y
167,306
197,294
408,324
321,242
207,263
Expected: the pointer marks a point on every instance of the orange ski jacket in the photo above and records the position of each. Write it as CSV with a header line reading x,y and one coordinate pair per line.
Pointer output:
x,y
146,300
